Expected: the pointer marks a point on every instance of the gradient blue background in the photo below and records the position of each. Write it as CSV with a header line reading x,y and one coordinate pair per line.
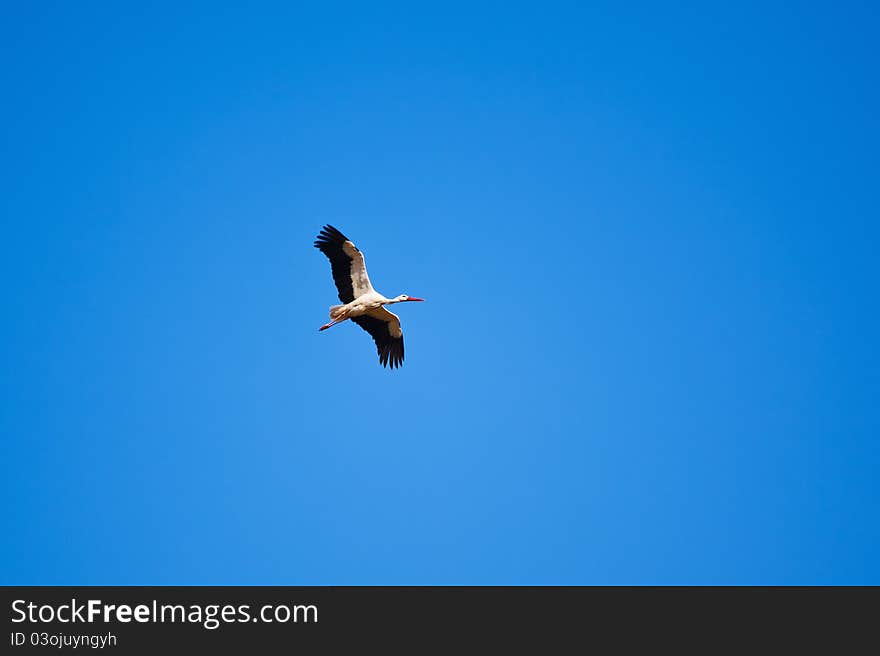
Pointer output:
x,y
647,235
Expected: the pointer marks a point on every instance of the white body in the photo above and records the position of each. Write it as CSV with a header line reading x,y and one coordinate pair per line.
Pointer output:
x,y
370,303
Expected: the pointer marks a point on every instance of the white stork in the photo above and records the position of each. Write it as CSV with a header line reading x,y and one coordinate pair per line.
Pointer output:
x,y
361,303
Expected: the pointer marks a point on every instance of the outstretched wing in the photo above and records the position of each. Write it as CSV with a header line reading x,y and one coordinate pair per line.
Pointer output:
x,y
346,263
384,328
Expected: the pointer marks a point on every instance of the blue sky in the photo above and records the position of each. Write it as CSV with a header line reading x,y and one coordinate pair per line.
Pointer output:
x,y
647,235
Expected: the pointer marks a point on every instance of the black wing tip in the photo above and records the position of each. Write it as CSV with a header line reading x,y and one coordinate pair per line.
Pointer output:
x,y
329,235
392,354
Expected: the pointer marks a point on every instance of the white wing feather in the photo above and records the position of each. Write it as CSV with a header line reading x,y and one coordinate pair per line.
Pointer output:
x,y
360,281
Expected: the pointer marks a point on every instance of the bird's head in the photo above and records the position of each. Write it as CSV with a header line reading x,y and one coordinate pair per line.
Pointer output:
x,y
404,298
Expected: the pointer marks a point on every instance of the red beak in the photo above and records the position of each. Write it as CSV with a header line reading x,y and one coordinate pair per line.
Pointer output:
x,y
413,298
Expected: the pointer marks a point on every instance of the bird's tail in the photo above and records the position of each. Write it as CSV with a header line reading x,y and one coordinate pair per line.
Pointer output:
x,y
336,312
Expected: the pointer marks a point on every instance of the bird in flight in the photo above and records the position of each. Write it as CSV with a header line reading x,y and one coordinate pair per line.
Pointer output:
x,y
360,302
